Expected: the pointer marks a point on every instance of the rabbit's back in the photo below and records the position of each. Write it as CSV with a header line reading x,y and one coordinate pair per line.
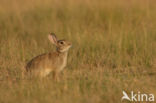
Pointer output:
x,y
43,64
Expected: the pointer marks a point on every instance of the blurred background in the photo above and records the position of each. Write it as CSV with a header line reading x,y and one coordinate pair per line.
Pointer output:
x,y
114,49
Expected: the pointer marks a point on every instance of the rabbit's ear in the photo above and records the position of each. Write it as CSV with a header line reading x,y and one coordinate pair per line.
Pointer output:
x,y
52,38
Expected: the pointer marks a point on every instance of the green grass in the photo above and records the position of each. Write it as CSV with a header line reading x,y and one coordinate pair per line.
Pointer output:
x,y
114,49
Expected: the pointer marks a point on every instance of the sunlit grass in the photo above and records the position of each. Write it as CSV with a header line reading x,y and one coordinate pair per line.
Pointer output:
x,y
114,49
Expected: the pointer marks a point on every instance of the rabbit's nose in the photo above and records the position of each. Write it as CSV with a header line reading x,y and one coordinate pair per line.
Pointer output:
x,y
70,43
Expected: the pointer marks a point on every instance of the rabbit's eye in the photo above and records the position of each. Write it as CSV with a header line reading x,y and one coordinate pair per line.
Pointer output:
x,y
61,42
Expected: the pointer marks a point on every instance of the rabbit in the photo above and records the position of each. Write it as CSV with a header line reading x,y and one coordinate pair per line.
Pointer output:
x,y
46,63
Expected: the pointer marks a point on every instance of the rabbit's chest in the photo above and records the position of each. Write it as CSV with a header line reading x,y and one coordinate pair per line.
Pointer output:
x,y
64,62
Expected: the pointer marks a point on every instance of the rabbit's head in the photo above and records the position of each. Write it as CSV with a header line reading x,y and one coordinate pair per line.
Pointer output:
x,y
61,45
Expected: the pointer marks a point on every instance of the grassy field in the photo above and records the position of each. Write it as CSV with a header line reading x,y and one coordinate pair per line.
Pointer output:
x,y
114,49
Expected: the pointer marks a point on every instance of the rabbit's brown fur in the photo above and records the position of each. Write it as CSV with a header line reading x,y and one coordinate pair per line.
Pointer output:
x,y
46,63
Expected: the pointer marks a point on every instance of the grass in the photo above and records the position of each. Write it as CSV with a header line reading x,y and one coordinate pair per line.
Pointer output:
x,y
114,49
